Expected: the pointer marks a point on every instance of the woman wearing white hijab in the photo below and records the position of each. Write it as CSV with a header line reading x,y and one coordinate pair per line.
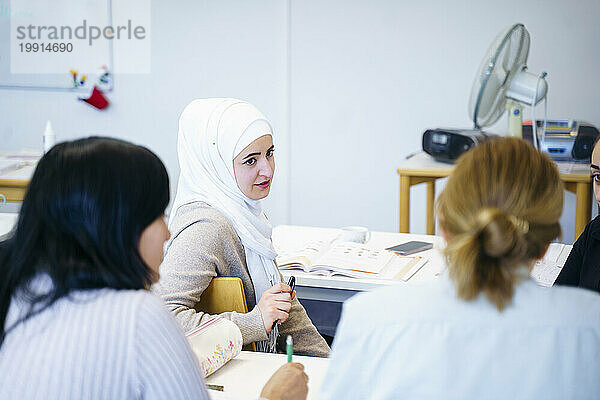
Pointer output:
x,y
225,149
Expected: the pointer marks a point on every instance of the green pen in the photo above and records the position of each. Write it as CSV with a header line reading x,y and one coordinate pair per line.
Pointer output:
x,y
289,347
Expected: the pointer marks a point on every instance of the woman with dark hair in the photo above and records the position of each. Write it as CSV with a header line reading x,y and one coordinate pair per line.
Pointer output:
x,y
75,320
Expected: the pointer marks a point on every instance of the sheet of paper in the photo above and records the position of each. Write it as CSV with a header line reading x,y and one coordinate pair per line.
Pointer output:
x,y
216,395
9,165
573,167
7,223
403,267
546,270
356,256
553,252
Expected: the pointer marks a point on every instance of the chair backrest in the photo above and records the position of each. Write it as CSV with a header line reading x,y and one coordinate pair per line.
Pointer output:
x,y
224,294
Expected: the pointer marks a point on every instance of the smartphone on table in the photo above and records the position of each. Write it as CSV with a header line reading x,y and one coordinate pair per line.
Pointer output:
x,y
411,247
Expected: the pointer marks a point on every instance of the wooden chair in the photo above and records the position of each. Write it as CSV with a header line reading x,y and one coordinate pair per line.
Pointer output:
x,y
224,294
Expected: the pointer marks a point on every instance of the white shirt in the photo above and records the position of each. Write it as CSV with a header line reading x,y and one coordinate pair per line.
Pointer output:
x,y
422,342
101,344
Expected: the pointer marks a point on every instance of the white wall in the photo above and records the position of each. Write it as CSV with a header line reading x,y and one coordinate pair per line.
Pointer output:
x,y
350,86
199,49
369,77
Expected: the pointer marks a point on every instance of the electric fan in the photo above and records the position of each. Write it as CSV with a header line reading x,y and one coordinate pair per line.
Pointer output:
x,y
502,83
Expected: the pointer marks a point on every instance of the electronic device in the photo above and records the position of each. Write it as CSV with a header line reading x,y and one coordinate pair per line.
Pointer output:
x,y
564,139
501,84
411,247
448,144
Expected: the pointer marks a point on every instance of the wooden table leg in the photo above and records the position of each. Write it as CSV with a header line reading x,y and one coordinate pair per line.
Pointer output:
x,y
404,203
430,207
583,208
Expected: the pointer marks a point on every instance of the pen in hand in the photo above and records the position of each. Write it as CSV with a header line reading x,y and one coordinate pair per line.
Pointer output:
x,y
289,347
292,285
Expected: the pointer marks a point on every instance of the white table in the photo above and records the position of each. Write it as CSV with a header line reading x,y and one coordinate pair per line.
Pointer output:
x,y
338,289
244,376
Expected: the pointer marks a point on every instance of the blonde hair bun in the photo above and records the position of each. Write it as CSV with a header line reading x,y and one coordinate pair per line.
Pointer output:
x,y
501,234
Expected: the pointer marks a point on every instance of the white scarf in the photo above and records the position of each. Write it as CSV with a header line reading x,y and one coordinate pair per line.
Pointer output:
x,y
212,132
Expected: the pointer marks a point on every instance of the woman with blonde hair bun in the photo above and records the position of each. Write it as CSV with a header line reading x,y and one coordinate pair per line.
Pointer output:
x,y
502,220
484,329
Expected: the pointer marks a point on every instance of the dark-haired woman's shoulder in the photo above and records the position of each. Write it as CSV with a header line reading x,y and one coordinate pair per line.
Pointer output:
x,y
582,267
170,369
89,335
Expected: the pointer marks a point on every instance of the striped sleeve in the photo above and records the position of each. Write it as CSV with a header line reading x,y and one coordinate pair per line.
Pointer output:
x,y
165,365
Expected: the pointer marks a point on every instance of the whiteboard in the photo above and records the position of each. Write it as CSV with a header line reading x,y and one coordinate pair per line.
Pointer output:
x,y
20,69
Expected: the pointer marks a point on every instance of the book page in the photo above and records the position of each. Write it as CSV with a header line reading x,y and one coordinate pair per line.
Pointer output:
x,y
348,256
546,270
303,258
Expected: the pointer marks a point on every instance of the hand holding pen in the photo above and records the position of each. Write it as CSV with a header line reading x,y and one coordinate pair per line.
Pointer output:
x,y
288,382
275,304
292,285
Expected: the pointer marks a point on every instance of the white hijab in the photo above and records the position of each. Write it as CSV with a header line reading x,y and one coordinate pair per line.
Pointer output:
x,y
212,132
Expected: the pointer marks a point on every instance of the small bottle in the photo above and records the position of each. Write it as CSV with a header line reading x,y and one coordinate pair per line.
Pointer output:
x,y
49,137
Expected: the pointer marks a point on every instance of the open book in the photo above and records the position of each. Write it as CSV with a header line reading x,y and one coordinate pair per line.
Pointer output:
x,y
349,259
